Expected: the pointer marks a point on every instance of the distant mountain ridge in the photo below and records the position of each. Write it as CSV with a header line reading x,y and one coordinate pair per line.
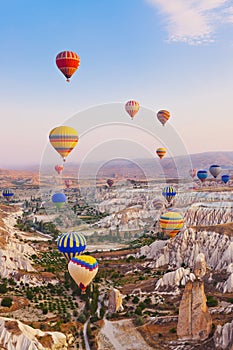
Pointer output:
x,y
136,167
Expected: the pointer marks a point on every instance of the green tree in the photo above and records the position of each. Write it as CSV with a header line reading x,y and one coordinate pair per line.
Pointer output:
x,y
6,302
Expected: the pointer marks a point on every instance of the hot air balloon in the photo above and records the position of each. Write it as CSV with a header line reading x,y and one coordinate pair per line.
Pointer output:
x,y
157,204
58,168
225,178
110,182
215,170
169,193
161,152
63,139
68,183
67,62
7,193
132,108
171,223
193,172
83,269
163,116
59,199
71,243
202,175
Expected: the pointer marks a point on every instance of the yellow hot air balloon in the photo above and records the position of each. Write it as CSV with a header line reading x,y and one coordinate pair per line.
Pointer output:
x,y
163,116
161,152
171,223
82,269
63,139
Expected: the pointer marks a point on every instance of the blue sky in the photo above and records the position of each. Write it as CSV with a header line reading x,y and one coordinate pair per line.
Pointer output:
x,y
175,55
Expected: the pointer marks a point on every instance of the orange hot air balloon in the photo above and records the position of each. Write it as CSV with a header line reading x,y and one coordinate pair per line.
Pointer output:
x,y
132,107
163,116
161,152
58,168
67,62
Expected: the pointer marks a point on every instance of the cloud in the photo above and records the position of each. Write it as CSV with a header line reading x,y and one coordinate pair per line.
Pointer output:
x,y
193,21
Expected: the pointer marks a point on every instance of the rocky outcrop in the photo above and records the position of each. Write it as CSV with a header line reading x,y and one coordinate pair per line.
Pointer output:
x,y
171,281
199,216
194,322
223,337
184,248
115,301
15,335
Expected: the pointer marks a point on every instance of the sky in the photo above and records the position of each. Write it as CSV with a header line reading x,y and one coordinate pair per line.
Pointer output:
x,y
174,55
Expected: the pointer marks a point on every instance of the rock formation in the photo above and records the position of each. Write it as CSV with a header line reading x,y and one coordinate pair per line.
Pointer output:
x,y
115,301
174,279
15,335
223,337
194,320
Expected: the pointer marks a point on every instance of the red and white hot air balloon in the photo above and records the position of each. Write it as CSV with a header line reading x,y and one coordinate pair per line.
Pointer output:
x,y
132,107
58,168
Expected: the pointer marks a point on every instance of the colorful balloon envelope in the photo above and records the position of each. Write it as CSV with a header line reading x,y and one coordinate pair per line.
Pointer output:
x,y
161,152
169,193
225,178
110,182
157,204
59,199
132,107
68,183
171,223
202,175
7,193
67,62
193,173
83,270
63,139
71,244
58,168
163,116
215,170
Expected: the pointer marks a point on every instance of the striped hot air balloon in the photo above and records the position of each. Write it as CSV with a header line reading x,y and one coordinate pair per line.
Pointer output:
x,y
67,62
202,175
161,152
169,193
171,223
71,243
132,108
163,116
7,193
58,168
83,269
63,139
157,204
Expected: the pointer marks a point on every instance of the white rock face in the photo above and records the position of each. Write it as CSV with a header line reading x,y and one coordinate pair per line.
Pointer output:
x,y
184,248
14,335
223,336
199,216
174,279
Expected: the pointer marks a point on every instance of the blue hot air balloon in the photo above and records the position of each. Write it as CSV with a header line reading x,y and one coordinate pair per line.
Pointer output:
x,y
7,193
202,175
59,199
215,170
71,244
225,178
169,193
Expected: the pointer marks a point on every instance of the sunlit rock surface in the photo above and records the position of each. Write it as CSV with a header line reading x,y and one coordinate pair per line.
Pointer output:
x,y
14,335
